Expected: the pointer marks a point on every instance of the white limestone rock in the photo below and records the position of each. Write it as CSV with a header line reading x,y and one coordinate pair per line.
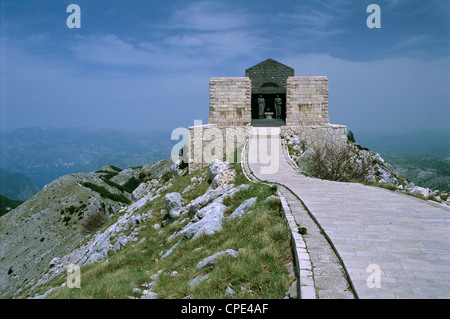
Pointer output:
x,y
220,173
417,190
174,204
243,209
211,261
195,281
208,220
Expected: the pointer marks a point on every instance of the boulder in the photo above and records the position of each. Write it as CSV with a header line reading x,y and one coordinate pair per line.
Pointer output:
x,y
208,220
417,190
211,261
220,173
243,209
144,188
174,204
213,208
204,199
197,280
272,198
230,193
229,292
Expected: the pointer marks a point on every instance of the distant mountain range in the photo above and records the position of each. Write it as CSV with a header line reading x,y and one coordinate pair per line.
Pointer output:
x,y
44,154
422,157
17,186
423,143
41,155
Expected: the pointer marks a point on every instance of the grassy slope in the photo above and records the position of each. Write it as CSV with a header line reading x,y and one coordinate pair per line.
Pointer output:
x,y
259,268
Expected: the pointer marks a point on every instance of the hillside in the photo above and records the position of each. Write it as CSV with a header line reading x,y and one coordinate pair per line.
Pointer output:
x,y
7,204
180,236
422,157
55,221
17,186
426,170
45,154
355,163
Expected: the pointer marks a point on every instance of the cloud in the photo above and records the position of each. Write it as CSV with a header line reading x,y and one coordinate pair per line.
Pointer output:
x,y
393,94
61,93
319,20
218,45
214,30
112,50
208,16
197,35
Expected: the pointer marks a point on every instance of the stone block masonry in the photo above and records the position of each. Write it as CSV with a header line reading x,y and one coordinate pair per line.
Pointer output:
x,y
318,135
230,101
307,100
211,141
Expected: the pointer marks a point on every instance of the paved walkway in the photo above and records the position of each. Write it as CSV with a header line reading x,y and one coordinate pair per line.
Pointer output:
x,y
391,245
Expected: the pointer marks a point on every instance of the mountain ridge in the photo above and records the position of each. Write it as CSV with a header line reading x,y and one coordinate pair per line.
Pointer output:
x,y
45,154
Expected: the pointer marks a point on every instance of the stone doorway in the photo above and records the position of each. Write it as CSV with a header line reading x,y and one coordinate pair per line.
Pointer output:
x,y
269,100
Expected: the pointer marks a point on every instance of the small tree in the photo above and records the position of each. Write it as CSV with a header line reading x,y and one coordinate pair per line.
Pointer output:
x,y
350,137
93,221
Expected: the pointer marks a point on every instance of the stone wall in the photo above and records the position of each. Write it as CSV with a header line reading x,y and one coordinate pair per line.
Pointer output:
x,y
209,142
307,100
230,101
318,134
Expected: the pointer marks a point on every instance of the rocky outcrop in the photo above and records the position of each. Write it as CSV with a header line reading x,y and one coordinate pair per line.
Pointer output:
x,y
211,261
98,247
47,225
376,169
57,238
207,220
174,205
220,173
417,190
52,223
243,209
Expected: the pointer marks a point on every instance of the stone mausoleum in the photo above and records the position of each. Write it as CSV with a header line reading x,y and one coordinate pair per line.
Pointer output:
x,y
269,95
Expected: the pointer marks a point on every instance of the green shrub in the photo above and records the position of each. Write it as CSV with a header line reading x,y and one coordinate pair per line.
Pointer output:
x,y
131,184
351,137
167,176
106,194
302,230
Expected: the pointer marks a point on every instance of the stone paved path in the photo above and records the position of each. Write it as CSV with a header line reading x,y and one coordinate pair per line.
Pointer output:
x,y
378,234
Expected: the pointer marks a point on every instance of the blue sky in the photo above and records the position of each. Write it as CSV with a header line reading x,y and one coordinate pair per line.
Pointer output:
x,y
143,65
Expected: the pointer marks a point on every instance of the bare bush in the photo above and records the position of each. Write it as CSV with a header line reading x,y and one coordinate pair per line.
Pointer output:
x,y
93,221
336,163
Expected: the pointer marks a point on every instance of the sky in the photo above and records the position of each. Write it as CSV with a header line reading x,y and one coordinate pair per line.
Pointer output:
x,y
144,65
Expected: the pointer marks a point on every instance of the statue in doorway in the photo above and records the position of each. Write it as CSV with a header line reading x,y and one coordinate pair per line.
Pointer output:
x,y
277,105
261,107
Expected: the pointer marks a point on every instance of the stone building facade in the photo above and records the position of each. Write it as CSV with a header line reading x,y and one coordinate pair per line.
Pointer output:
x,y
307,100
233,110
230,101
